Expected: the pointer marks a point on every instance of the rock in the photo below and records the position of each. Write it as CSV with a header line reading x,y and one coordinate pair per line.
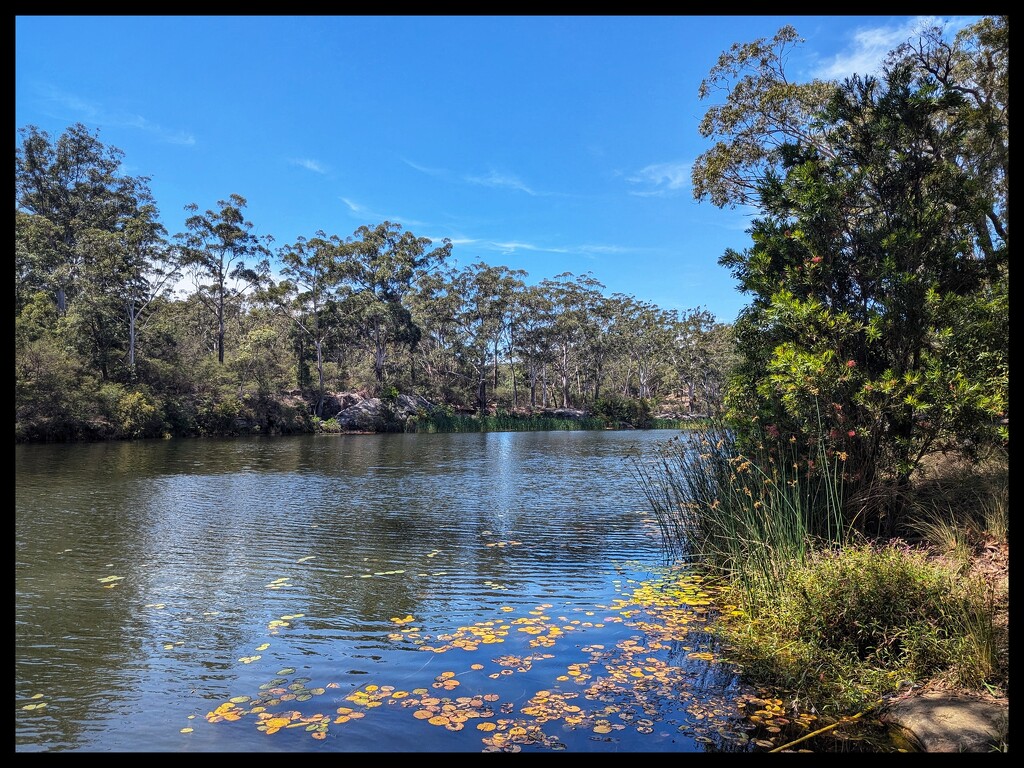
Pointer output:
x,y
941,721
364,416
373,414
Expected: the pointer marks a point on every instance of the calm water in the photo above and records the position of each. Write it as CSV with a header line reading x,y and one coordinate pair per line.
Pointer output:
x,y
352,594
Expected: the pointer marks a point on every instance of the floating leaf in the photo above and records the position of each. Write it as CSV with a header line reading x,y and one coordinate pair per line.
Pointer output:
x,y
239,699
37,696
305,559
286,671
262,647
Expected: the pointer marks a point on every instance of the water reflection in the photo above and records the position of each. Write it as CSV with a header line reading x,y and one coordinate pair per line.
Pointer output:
x,y
243,558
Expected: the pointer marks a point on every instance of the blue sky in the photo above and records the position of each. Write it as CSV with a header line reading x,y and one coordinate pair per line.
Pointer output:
x,y
549,144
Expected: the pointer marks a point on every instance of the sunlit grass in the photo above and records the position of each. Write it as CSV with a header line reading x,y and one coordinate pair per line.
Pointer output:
x,y
834,621
850,626
750,517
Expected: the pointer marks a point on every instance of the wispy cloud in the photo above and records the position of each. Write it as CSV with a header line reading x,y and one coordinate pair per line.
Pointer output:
x,y
437,172
611,250
512,246
501,181
171,136
354,206
660,179
871,45
94,113
371,218
493,179
309,165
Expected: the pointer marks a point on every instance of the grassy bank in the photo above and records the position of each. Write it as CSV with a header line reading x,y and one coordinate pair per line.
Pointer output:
x,y
509,422
829,618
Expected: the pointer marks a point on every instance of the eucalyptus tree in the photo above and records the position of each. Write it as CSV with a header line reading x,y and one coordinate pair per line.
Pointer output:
x,y
501,289
435,306
382,264
601,341
703,354
90,237
480,299
310,295
763,110
532,344
144,239
574,301
130,269
646,334
215,249
67,188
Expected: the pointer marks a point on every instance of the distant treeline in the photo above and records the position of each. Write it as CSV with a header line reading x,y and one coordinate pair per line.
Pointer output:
x,y
125,331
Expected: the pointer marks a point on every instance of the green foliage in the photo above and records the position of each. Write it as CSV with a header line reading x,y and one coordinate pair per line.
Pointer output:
x,y
326,426
618,411
92,276
878,277
219,416
849,626
446,421
745,514
131,412
52,393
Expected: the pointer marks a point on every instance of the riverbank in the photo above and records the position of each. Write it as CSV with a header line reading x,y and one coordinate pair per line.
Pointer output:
x,y
294,412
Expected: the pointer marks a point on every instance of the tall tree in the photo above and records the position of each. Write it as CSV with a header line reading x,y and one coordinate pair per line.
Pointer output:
x,y
763,111
532,342
479,298
68,187
574,300
215,248
309,294
703,355
91,237
382,264
878,240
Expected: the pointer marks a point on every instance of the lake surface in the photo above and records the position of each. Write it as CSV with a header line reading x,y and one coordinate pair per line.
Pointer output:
x,y
357,593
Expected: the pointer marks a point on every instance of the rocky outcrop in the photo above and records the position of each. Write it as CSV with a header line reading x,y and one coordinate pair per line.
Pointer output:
x,y
375,414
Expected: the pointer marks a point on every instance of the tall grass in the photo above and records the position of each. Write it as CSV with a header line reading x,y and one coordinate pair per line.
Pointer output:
x,y
508,422
828,617
750,515
851,625
445,422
